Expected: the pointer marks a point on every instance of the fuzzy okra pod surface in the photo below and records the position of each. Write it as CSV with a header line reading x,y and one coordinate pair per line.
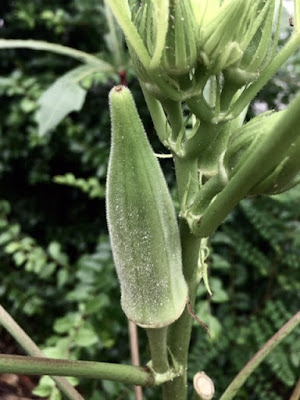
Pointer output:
x,y
142,222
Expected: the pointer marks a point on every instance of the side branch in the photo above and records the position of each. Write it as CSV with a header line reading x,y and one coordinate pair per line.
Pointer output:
x,y
31,348
127,374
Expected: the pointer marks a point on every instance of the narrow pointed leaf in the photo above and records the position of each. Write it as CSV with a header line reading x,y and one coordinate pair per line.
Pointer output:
x,y
161,10
61,98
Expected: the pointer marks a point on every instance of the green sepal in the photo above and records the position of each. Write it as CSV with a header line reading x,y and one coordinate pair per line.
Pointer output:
x,y
180,55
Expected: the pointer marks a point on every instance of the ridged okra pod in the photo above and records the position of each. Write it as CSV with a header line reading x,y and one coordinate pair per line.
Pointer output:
x,y
142,222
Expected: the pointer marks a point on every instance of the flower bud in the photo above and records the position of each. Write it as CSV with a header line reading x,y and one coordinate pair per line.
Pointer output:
x,y
144,20
259,49
180,53
173,76
239,34
245,140
285,176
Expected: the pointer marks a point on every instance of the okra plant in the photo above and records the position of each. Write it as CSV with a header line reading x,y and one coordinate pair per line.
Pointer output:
x,y
199,63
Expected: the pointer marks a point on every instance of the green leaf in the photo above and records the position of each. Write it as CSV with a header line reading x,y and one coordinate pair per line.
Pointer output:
x,y
55,394
12,247
61,98
19,258
219,294
54,250
86,337
72,380
215,328
91,186
5,237
62,277
219,263
44,387
60,350
65,324
96,304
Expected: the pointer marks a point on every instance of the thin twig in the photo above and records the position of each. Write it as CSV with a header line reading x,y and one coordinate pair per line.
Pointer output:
x,y
135,355
255,361
296,392
192,313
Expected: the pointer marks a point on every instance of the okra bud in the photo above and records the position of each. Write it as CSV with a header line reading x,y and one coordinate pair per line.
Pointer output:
x,y
180,55
245,140
142,222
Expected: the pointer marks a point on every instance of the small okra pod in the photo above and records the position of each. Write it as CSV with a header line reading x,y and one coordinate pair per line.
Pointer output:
x,y
142,222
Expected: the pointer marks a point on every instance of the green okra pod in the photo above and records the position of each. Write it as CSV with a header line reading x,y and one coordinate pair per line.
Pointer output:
x,y
142,222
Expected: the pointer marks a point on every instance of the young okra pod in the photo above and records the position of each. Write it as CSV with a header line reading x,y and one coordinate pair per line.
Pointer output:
x,y
142,222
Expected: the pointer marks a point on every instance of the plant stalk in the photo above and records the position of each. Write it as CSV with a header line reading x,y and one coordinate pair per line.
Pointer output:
x,y
158,349
135,354
175,116
159,119
127,374
244,374
179,333
187,180
31,348
296,392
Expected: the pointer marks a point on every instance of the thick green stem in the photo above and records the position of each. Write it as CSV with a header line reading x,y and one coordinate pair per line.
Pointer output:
x,y
180,332
187,180
158,349
229,90
175,116
204,197
127,374
199,106
244,374
31,348
204,137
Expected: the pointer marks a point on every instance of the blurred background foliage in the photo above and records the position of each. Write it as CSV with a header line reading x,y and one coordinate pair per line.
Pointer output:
x,y
57,277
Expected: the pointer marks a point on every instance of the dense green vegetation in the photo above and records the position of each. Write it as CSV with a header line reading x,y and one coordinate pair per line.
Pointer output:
x,y
57,276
